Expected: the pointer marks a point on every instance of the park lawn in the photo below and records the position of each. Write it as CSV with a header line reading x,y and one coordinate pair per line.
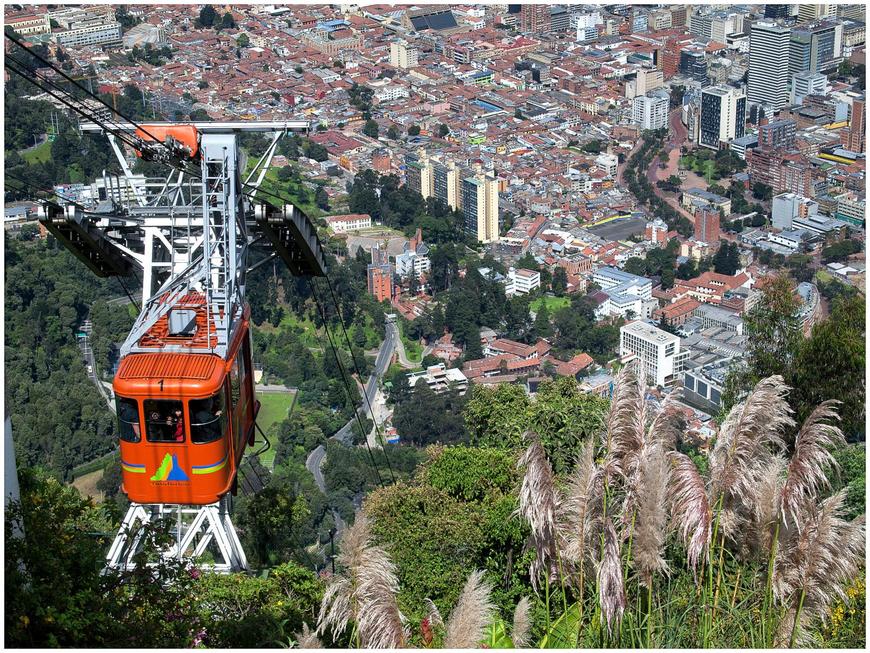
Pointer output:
x,y
704,168
553,303
39,154
413,350
824,276
273,409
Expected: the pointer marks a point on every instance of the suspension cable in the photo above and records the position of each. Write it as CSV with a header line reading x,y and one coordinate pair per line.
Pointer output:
x,y
360,376
344,379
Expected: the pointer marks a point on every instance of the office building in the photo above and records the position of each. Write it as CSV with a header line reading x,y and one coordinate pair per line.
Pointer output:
x,y
715,26
777,134
723,116
644,81
480,206
777,11
855,137
658,351
852,12
746,142
707,226
768,74
521,281
785,207
650,111
94,32
609,163
816,47
693,65
807,83
403,55
807,12
623,294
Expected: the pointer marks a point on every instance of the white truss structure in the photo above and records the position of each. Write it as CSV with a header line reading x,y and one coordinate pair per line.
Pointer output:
x,y
186,233
203,535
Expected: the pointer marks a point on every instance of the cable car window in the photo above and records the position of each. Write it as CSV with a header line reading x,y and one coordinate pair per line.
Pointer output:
x,y
207,419
128,419
164,420
235,383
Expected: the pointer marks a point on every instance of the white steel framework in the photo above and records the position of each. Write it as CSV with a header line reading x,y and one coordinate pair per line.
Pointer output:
x,y
190,232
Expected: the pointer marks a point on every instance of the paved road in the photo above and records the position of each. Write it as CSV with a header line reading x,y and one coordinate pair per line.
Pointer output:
x,y
345,433
382,362
90,361
275,389
678,135
400,349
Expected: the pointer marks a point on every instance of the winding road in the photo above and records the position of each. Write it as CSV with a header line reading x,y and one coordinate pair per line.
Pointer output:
x,y
345,434
314,462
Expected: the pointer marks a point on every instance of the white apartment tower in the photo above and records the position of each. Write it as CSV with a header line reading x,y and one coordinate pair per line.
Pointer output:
x,y
658,351
769,64
650,111
480,206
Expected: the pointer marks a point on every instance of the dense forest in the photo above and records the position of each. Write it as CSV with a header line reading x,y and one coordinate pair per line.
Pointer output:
x,y
59,419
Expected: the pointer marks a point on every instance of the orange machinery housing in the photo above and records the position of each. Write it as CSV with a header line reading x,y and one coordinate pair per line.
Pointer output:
x,y
187,136
185,418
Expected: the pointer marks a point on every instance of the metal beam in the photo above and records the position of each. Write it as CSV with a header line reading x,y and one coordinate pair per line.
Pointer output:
x,y
214,127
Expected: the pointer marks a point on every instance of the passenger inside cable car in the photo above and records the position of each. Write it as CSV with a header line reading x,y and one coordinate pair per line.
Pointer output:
x,y
165,421
206,419
128,417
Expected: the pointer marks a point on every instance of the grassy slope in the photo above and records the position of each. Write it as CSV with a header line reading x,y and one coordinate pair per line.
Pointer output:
x,y
273,409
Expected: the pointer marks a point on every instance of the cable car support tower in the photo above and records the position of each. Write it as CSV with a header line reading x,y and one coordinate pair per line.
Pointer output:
x,y
195,231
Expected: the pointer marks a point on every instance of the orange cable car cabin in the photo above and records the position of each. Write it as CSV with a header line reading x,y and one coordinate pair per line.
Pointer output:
x,y
185,417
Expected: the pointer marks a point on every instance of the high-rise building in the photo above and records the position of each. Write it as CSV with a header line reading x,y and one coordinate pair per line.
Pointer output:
x,y
815,47
693,64
715,26
778,11
723,116
855,141
853,12
650,111
768,72
678,16
403,54
645,80
807,83
814,12
432,177
707,226
535,18
777,134
480,206
446,183
658,351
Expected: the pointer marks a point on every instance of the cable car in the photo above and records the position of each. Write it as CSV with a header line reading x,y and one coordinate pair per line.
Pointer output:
x,y
185,416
